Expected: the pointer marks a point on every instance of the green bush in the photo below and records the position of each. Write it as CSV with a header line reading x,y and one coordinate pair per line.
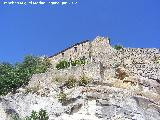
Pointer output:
x,y
71,82
14,76
62,97
64,64
118,47
35,64
73,63
34,116
78,62
6,78
83,81
41,115
83,61
15,117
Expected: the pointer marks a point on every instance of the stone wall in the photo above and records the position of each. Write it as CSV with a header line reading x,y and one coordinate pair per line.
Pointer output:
x,y
141,61
100,48
151,71
89,70
87,49
141,55
75,52
44,80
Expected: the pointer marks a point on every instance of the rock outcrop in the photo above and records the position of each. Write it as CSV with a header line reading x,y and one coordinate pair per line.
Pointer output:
x,y
113,89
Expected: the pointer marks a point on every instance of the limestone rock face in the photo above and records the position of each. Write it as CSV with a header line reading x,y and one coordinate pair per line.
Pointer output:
x,y
121,85
93,102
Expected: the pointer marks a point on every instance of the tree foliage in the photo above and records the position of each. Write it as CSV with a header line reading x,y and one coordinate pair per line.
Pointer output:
x,y
62,65
118,47
62,97
14,76
41,115
83,80
65,64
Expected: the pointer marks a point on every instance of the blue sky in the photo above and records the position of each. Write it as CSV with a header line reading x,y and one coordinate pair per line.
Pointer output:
x,y
45,30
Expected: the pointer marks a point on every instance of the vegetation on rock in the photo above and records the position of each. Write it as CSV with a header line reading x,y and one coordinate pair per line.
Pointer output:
x,y
14,76
65,64
62,97
32,89
62,65
120,73
71,82
83,81
41,115
118,47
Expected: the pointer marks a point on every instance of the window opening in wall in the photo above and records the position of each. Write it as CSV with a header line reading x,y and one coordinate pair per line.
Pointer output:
x,y
62,54
82,48
75,49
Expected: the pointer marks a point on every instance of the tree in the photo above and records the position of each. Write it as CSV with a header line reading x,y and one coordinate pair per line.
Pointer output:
x,y
14,76
118,47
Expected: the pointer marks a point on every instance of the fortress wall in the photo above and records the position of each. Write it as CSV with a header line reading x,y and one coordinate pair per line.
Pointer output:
x,y
99,45
141,55
85,49
74,52
92,71
151,71
130,56
89,70
101,50
141,61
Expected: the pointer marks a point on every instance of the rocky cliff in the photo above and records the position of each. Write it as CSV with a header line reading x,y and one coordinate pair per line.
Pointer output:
x,y
114,85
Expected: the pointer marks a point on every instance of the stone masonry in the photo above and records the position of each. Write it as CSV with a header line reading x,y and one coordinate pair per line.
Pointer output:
x,y
106,96
141,61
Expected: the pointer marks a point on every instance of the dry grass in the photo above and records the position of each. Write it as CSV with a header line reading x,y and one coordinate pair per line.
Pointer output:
x,y
121,73
59,79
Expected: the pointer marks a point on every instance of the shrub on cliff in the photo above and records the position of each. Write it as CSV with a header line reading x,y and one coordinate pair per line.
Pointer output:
x,y
7,76
120,73
78,62
35,65
62,65
41,115
74,63
14,76
83,81
71,82
62,97
118,47
83,61
65,64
